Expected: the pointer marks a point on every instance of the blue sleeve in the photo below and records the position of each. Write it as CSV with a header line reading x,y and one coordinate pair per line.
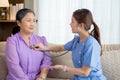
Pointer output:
x,y
71,44
92,54
68,45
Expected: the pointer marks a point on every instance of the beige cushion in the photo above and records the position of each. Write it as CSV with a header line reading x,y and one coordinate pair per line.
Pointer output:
x,y
63,60
2,47
3,68
56,79
111,64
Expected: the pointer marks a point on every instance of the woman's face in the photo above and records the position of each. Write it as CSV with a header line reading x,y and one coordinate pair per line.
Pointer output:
x,y
27,24
74,25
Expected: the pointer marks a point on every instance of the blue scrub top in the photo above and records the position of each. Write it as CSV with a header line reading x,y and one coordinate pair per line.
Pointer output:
x,y
86,53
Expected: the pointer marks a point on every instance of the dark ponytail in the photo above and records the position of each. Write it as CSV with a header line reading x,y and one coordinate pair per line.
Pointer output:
x,y
96,34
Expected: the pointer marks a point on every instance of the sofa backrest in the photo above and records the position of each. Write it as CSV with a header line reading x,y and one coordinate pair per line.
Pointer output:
x,y
2,47
111,64
3,68
62,60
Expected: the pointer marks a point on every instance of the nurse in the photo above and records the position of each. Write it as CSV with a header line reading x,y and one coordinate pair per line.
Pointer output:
x,y
86,48
24,63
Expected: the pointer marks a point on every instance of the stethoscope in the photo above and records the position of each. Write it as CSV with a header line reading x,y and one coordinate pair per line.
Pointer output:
x,y
61,53
64,52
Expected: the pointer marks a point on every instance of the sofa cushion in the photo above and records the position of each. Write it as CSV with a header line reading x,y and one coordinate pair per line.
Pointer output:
x,y
3,68
62,60
2,46
56,79
111,64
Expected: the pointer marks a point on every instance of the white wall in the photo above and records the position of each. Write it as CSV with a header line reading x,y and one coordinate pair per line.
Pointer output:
x,y
106,13
29,4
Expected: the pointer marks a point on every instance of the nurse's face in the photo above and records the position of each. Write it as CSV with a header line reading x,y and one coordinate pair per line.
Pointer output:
x,y
74,25
28,23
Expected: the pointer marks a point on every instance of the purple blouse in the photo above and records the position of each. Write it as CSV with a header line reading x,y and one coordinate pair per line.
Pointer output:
x,y
23,62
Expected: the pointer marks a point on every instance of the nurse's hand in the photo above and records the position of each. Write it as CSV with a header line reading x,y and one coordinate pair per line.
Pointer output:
x,y
39,46
59,67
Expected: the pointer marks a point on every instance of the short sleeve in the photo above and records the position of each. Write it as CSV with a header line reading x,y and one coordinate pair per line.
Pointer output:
x,y
43,39
68,45
71,44
91,53
46,60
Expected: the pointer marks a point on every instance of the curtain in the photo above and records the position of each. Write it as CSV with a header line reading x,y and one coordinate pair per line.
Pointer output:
x,y
107,15
54,17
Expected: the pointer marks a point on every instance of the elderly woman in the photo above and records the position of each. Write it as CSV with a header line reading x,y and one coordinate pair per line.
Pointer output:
x,y
23,62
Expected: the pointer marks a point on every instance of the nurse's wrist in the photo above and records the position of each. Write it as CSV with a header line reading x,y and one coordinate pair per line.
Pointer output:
x,y
65,69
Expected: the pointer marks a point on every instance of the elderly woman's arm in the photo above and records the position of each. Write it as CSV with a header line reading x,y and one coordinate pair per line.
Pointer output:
x,y
12,60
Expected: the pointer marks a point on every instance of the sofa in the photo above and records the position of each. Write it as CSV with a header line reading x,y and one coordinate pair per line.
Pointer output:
x,y
110,63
